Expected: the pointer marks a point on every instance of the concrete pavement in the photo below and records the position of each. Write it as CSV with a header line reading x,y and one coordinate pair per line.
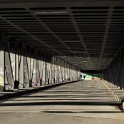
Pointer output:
x,y
88,102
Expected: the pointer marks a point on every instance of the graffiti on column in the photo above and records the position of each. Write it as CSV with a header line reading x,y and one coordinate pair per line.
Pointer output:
x,y
37,73
25,72
21,71
9,81
31,69
41,71
1,71
34,73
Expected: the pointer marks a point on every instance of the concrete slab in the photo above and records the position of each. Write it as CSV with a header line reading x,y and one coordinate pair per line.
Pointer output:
x,y
76,103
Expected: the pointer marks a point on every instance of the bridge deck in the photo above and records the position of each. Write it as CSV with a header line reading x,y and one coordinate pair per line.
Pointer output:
x,y
81,99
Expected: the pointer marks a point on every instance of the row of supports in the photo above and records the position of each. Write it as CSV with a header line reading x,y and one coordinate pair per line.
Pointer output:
x,y
19,64
115,71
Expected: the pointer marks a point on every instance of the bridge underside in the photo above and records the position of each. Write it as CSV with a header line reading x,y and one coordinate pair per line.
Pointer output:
x,y
45,42
87,34
61,59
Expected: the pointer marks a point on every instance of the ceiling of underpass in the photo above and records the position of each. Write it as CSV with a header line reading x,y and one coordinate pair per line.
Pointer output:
x,y
87,33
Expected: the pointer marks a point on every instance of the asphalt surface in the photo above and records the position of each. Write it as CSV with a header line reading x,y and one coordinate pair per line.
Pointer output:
x,y
83,102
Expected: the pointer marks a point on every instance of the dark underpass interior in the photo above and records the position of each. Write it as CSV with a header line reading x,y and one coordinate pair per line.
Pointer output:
x,y
62,59
85,34
88,34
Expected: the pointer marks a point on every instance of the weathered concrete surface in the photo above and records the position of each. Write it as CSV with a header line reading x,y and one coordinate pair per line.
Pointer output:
x,y
39,118
87,102
16,93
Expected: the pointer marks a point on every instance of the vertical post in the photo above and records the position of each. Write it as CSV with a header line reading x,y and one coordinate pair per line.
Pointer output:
x,y
9,78
3,40
54,70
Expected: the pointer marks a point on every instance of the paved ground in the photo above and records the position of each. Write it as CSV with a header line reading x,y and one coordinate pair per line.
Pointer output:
x,y
84,102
